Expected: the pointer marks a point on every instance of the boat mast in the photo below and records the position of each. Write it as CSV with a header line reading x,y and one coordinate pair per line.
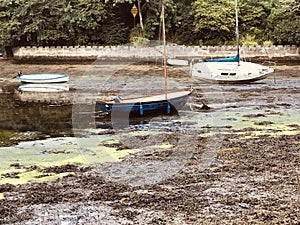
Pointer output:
x,y
237,30
165,49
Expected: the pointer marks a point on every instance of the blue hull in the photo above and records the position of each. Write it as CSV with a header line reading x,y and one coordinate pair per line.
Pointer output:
x,y
145,108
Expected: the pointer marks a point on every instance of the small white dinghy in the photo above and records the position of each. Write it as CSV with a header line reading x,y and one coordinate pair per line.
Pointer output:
x,y
43,78
178,62
43,88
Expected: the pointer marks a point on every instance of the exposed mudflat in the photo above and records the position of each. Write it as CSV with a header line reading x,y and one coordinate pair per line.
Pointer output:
x,y
235,161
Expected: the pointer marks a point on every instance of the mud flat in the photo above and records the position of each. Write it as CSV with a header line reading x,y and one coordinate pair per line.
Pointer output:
x,y
236,162
252,181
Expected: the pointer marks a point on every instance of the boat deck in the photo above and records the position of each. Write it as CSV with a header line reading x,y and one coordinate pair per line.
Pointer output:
x,y
153,98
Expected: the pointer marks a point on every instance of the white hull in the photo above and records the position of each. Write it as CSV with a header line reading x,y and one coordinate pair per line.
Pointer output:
x,y
43,78
177,62
230,72
43,88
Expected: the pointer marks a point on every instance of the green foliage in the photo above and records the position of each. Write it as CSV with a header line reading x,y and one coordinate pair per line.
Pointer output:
x,y
7,22
181,23
214,20
59,22
284,23
135,33
141,42
267,43
253,17
152,13
98,22
248,40
113,34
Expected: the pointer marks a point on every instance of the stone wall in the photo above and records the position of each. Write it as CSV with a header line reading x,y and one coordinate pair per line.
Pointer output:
x,y
59,98
133,52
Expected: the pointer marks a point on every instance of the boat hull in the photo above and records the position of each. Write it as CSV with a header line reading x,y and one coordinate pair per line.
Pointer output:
x,y
146,108
44,78
230,72
178,62
45,88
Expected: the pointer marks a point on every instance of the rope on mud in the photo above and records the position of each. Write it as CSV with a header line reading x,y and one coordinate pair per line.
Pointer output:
x,y
202,107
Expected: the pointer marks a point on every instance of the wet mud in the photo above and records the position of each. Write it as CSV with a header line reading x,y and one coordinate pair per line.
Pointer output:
x,y
231,156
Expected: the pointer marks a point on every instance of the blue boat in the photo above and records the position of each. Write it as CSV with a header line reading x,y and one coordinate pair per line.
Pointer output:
x,y
160,104
166,103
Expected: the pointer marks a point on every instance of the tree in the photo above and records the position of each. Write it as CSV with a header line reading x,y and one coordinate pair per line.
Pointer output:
x,y
253,17
98,22
284,23
149,16
9,25
214,20
182,29
140,14
139,10
57,22
34,21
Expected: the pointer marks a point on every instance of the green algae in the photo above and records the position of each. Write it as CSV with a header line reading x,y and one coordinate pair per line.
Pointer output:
x,y
34,175
165,145
6,137
110,141
7,134
273,124
248,122
26,161
10,137
55,152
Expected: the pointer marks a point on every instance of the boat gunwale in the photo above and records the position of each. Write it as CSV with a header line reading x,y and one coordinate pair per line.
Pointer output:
x,y
128,100
55,76
241,81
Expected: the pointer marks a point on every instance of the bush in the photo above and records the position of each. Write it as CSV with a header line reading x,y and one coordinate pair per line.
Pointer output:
x,y
249,40
267,43
141,42
135,33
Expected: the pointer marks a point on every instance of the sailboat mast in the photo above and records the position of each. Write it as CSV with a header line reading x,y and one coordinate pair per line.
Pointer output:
x,y
165,48
237,30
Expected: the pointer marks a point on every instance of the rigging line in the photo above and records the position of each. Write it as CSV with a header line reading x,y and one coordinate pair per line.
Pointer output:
x,y
165,51
160,41
237,29
160,30
266,52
